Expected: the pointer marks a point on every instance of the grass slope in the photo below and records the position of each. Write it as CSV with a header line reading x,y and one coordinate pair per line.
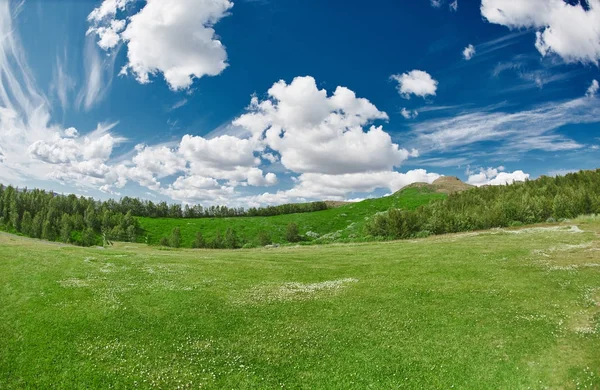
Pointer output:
x,y
348,220
498,309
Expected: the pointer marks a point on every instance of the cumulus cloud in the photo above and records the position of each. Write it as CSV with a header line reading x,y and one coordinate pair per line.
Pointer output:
x,y
409,114
593,89
568,30
314,132
468,52
496,177
415,82
173,37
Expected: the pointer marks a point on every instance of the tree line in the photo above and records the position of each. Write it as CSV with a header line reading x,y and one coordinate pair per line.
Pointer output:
x,y
147,208
546,199
70,219
230,240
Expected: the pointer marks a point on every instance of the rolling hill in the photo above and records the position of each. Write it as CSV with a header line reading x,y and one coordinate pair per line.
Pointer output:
x,y
334,224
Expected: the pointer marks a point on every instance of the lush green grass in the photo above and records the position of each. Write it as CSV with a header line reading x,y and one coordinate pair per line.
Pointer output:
x,y
473,311
340,223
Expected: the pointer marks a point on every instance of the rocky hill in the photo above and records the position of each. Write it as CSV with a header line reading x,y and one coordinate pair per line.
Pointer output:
x,y
445,184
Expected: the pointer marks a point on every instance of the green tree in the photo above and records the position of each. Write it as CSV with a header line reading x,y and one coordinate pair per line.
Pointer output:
x,y
48,230
36,226
264,238
218,242
231,239
164,241
65,228
88,237
291,232
199,241
131,233
175,239
27,224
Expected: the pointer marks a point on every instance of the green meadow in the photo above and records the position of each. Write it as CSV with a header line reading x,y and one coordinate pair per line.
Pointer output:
x,y
501,309
336,224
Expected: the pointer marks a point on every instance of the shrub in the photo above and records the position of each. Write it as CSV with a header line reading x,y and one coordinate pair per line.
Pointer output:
x,y
218,242
231,239
264,238
291,233
164,241
312,235
199,241
88,238
423,234
175,239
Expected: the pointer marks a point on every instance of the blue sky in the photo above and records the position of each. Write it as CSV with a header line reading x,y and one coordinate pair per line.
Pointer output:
x,y
271,101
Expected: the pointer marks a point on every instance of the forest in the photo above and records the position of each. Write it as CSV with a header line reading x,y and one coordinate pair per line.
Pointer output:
x,y
547,199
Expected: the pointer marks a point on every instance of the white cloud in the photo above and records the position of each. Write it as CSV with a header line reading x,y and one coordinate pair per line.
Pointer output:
x,y
495,177
107,10
593,89
62,83
409,114
454,6
415,82
338,187
179,104
468,52
568,30
533,129
172,37
436,3
322,137
98,75
317,133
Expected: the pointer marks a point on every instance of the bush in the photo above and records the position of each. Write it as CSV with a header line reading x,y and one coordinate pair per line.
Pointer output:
x,y
164,241
88,238
378,225
423,234
313,235
291,233
175,239
218,242
231,239
264,238
199,241
550,220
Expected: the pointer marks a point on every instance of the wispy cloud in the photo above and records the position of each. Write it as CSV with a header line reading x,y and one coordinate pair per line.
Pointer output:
x,y
62,83
516,132
99,72
179,104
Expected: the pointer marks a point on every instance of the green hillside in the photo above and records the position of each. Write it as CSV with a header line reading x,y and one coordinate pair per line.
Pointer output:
x,y
334,224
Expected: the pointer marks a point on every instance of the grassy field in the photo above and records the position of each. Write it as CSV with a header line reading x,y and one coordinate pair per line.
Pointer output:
x,y
498,309
337,223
